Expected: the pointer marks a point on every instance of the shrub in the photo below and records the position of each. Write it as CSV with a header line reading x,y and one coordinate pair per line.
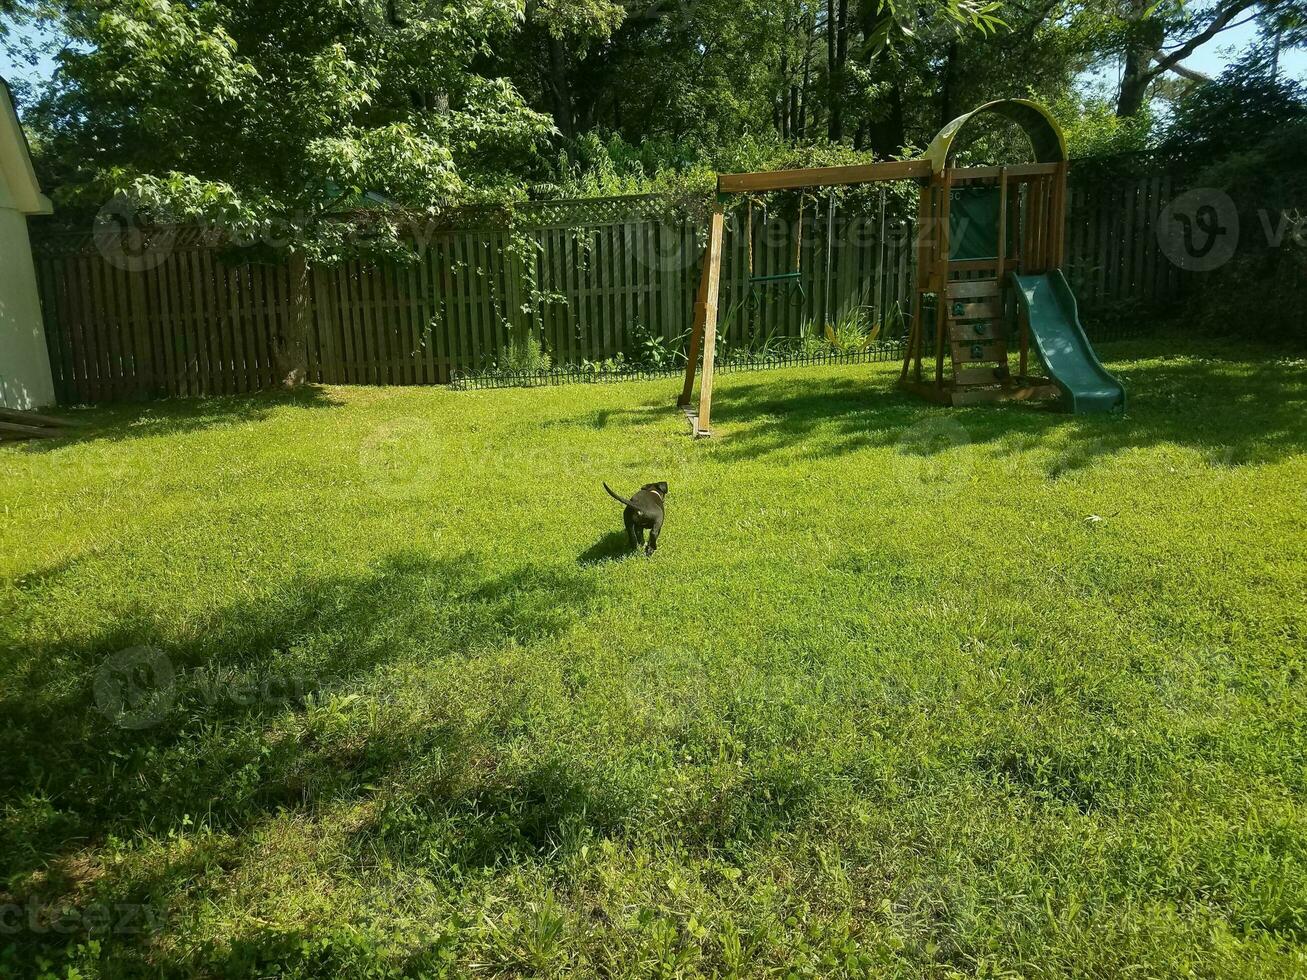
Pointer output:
x,y
526,355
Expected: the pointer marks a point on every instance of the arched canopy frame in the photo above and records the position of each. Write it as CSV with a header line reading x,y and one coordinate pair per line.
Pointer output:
x,y
1040,127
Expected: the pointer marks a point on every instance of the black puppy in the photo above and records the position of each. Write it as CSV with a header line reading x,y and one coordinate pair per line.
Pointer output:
x,y
643,511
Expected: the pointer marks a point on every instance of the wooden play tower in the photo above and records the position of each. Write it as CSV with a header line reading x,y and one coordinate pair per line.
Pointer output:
x,y
975,227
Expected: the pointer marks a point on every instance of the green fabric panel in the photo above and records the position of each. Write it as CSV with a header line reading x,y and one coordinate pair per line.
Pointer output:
x,y
973,223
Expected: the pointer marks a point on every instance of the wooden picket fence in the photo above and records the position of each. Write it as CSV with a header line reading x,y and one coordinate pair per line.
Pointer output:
x,y
1113,255
182,313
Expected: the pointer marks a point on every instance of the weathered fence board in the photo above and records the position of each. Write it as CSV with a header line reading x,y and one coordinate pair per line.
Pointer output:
x,y
597,279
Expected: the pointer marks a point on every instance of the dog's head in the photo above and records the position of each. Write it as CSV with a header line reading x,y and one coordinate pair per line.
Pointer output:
x,y
659,488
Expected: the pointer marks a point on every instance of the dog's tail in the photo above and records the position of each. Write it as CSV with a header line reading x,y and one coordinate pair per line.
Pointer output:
x,y
620,500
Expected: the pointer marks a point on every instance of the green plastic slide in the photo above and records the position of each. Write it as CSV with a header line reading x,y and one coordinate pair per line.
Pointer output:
x,y
1072,365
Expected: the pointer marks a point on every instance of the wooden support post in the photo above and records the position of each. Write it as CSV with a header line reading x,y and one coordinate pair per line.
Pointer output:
x,y
1045,224
1059,215
1028,230
930,249
914,338
696,334
924,280
713,285
941,292
1024,329
1000,269
1034,193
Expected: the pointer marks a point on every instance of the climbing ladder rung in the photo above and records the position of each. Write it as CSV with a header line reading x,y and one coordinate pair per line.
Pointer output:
x,y
978,351
960,309
973,289
980,330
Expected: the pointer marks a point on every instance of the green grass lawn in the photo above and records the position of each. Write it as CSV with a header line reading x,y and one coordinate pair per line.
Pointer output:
x,y
359,682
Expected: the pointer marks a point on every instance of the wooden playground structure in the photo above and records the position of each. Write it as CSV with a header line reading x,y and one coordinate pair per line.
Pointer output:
x,y
978,230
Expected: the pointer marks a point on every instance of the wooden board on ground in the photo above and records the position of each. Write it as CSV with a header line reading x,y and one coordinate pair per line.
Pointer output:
x,y
13,430
33,418
1030,390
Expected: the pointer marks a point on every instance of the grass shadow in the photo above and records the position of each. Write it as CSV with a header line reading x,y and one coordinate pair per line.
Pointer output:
x,y
1232,411
171,416
613,546
132,730
648,412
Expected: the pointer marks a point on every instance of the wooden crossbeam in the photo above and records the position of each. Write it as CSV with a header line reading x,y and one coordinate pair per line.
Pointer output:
x,y
779,180
1014,171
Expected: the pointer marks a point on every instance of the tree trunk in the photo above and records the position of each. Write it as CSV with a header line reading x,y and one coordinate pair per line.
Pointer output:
x,y
292,346
833,121
1143,37
802,123
785,120
1134,83
837,50
1145,58
885,136
842,35
560,88
947,85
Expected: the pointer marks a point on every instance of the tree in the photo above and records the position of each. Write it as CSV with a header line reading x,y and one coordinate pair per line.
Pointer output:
x,y
266,111
293,124
906,76
1282,28
566,27
1158,35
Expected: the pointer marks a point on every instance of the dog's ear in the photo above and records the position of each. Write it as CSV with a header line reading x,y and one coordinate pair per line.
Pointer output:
x,y
661,488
